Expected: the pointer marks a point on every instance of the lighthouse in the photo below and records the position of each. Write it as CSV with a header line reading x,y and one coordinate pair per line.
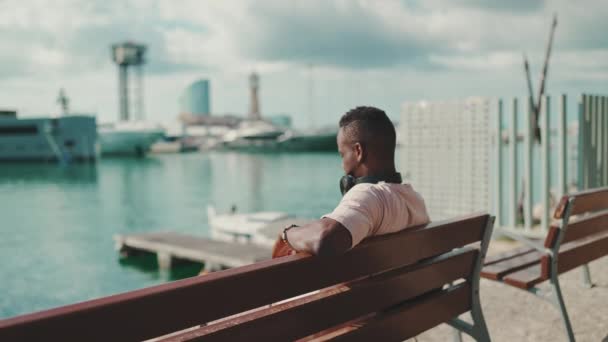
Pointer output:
x,y
254,105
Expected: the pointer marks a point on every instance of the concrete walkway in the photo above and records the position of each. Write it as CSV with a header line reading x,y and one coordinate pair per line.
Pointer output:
x,y
514,315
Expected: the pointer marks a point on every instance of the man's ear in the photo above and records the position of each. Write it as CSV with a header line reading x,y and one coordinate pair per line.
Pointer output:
x,y
359,152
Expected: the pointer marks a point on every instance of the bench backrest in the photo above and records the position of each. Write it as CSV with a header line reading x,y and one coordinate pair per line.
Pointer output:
x,y
382,272
582,235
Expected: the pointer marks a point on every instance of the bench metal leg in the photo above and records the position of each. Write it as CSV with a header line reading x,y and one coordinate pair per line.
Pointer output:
x,y
558,300
480,324
457,335
587,276
478,330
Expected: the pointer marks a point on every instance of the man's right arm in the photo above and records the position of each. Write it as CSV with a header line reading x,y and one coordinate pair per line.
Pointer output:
x,y
322,237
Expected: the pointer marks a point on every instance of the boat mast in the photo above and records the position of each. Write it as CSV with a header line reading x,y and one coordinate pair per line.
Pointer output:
x,y
64,102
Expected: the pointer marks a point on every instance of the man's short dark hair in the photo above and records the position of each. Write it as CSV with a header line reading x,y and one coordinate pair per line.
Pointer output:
x,y
371,127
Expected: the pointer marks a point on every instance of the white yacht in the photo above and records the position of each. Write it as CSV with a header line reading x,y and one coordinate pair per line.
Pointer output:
x,y
261,228
252,134
309,140
128,137
64,139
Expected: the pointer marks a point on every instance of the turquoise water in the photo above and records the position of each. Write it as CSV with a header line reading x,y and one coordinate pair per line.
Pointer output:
x,y
57,223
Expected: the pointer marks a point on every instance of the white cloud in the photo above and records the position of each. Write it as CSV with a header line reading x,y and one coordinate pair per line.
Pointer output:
x,y
364,51
499,60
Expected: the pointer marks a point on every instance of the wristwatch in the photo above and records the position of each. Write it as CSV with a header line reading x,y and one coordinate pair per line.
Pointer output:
x,y
284,234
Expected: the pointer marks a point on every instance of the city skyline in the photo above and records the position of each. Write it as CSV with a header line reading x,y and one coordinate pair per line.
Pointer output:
x,y
378,53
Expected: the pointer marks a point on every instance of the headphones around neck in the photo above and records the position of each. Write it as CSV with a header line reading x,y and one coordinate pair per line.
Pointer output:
x,y
348,181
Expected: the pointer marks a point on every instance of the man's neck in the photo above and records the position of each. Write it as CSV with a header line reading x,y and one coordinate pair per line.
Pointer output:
x,y
377,171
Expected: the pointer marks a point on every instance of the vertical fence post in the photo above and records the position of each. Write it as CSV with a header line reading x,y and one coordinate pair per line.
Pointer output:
x,y
583,176
562,149
579,141
605,141
601,149
498,162
513,165
544,157
588,137
601,141
599,136
529,138
589,130
593,140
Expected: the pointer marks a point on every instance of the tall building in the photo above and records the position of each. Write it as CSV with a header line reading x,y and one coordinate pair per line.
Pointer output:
x,y
195,100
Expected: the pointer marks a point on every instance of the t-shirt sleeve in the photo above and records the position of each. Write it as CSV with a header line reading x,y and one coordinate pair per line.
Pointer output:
x,y
357,212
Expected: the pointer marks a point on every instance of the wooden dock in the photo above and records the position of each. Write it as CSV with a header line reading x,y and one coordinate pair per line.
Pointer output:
x,y
169,246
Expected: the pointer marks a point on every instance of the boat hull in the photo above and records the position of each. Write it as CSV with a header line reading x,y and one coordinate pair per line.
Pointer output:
x,y
66,139
304,143
294,143
128,142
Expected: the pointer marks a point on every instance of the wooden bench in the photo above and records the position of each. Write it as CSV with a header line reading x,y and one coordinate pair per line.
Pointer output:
x,y
573,242
389,288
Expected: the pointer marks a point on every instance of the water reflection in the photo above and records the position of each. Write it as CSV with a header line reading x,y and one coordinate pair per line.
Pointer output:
x,y
44,173
302,184
239,181
255,167
148,264
68,216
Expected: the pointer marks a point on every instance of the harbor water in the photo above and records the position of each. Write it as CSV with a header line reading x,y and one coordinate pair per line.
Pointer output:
x,y
57,222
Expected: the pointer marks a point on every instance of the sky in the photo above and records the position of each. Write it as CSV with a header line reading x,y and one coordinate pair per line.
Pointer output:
x,y
316,58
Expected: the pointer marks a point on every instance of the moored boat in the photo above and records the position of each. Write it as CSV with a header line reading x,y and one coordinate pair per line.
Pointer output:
x,y
260,228
129,137
67,138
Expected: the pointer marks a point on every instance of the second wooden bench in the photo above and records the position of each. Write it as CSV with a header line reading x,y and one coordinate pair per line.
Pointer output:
x,y
580,237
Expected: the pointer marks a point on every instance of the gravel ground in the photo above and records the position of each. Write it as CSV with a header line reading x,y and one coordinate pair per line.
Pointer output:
x,y
514,315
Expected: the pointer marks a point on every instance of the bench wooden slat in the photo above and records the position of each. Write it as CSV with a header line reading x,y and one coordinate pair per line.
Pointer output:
x,y
498,270
579,228
203,332
589,225
526,278
290,321
579,252
162,309
584,201
410,319
492,259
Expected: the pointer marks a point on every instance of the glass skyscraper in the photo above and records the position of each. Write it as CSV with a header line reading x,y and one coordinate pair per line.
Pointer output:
x,y
195,99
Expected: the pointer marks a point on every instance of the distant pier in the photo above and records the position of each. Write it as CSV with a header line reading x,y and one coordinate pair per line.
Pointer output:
x,y
170,246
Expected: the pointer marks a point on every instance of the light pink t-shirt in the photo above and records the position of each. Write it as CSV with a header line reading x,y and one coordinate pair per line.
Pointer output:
x,y
376,209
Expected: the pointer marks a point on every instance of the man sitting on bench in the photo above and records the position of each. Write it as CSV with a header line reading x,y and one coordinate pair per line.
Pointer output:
x,y
374,201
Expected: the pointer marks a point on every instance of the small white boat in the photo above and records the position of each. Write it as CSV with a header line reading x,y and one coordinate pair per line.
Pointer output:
x,y
260,228
128,138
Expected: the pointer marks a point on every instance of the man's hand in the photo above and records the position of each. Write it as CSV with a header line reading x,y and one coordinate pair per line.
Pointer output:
x,y
322,237
281,249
